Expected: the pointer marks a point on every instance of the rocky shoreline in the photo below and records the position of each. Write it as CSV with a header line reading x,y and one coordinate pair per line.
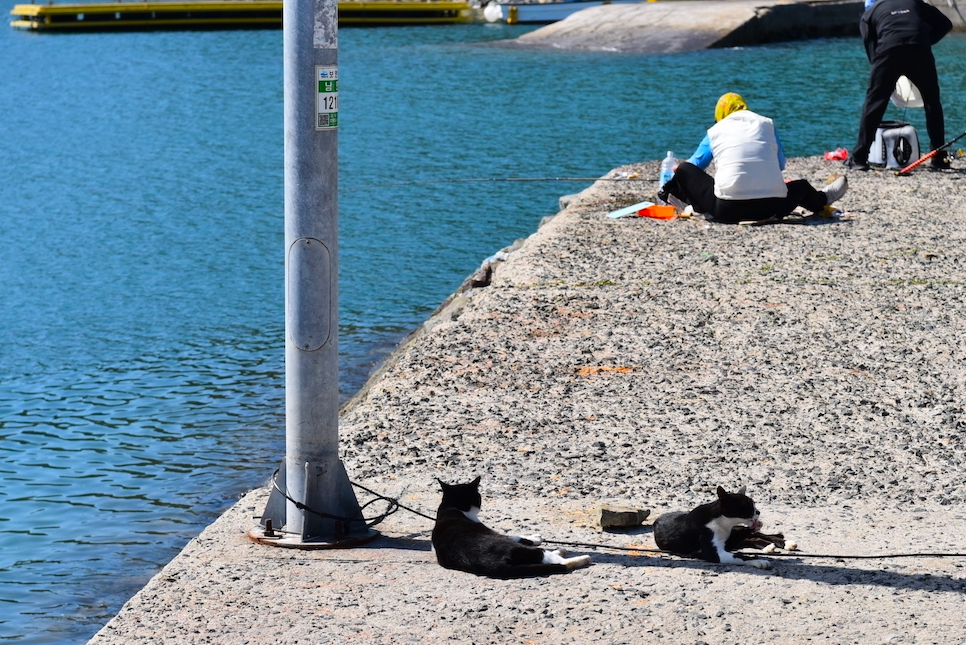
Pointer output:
x,y
643,363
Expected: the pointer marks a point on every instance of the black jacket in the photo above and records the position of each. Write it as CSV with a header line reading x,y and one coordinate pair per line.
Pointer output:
x,y
892,23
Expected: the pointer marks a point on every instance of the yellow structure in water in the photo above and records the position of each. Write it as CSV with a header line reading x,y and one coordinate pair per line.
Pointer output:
x,y
224,14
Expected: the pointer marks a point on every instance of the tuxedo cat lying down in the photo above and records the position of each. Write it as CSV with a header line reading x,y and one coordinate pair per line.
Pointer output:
x,y
462,542
712,531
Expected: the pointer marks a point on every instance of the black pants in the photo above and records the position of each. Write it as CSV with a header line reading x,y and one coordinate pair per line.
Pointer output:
x,y
915,62
696,187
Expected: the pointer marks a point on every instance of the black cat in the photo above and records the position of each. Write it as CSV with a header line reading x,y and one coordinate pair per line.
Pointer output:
x,y
712,531
462,542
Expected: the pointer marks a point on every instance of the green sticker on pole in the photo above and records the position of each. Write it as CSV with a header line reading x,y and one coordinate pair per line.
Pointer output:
x,y
328,98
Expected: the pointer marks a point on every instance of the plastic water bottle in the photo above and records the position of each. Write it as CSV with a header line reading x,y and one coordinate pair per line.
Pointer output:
x,y
667,169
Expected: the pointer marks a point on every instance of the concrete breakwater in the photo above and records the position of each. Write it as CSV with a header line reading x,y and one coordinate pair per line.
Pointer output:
x,y
642,362
667,27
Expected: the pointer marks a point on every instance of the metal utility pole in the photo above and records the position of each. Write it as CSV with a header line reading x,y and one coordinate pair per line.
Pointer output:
x,y
312,504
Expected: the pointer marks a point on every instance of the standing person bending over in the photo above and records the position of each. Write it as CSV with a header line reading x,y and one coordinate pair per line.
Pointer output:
x,y
748,183
898,37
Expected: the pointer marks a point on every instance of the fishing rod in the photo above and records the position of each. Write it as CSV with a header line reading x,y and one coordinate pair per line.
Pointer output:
x,y
496,179
928,156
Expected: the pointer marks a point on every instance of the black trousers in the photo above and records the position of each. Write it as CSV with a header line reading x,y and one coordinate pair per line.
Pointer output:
x,y
694,186
915,62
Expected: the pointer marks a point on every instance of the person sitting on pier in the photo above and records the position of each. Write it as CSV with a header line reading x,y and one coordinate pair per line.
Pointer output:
x,y
748,184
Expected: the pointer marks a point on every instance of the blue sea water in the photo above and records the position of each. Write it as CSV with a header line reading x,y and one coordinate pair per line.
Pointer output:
x,y
141,260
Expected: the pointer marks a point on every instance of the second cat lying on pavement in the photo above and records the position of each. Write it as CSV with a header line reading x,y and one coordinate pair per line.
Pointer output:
x,y
713,531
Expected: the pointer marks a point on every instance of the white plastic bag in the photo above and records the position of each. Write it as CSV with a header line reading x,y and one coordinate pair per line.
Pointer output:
x,y
906,94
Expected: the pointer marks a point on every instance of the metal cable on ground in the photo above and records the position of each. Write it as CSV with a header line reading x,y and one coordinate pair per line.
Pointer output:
x,y
393,505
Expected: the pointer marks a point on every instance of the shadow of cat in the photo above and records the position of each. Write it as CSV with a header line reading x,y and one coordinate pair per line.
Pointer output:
x,y
792,568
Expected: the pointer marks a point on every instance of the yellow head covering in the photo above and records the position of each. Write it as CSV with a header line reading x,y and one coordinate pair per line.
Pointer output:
x,y
728,104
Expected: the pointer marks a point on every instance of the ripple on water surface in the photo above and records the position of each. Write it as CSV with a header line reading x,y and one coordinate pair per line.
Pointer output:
x,y
105,475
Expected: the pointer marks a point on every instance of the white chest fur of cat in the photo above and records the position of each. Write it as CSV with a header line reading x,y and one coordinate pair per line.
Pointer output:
x,y
462,542
713,531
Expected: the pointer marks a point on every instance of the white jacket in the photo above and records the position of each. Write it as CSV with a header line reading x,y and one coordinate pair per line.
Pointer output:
x,y
746,157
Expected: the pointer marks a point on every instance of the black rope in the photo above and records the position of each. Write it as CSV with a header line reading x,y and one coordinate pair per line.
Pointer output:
x,y
395,502
881,556
591,545
302,507
392,506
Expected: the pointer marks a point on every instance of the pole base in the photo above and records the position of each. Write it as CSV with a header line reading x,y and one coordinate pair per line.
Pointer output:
x,y
270,537
308,530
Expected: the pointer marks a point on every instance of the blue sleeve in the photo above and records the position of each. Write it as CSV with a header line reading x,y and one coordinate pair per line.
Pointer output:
x,y
781,152
702,156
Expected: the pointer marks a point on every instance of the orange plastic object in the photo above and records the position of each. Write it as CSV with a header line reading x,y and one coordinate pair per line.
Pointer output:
x,y
658,212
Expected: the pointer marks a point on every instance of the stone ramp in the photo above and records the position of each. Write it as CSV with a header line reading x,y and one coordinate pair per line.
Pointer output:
x,y
670,27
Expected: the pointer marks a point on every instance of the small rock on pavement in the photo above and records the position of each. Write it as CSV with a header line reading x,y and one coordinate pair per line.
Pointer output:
x,y
620,516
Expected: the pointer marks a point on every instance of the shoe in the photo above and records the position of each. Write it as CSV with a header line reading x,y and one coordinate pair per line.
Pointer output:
x,y
855,164
940,163
662,196
835,190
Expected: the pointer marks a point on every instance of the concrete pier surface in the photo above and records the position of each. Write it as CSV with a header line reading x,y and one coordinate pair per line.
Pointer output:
x,y
642,363
669,27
